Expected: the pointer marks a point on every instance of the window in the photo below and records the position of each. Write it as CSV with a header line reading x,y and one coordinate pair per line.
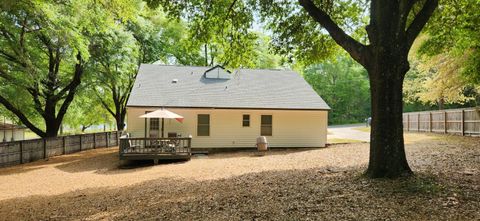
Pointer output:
x,y
154,123
203,125
266,125
246,120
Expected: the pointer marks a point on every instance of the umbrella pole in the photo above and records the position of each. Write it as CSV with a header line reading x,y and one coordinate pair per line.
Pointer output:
x,y
163,127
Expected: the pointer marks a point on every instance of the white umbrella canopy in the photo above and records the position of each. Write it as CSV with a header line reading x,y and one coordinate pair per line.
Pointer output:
x,y
163,113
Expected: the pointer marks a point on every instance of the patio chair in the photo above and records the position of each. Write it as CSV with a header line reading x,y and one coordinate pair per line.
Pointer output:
x,y
131,147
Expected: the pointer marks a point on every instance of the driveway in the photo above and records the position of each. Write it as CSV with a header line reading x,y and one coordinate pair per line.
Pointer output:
x,y
347,133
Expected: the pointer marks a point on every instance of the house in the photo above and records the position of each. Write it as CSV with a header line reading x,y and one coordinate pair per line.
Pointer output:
x,y
10,132
228,110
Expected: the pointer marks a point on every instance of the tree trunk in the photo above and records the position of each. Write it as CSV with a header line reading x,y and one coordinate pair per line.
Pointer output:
x,y
120,120
120,124
441,103
387,152
52,126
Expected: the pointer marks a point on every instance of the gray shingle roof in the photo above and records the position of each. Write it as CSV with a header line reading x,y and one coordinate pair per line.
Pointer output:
x,y
247,88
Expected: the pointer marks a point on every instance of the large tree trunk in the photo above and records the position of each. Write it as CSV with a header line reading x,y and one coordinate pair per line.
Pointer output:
x,y
391,33
120,121
387,153
52,125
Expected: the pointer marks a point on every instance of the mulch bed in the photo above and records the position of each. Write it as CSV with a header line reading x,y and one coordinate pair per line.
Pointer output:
x,y
446,187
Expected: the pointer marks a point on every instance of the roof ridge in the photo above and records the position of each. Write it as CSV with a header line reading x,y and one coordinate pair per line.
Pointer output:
x,y
211,67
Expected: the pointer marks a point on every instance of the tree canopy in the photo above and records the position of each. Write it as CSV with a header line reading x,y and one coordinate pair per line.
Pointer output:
x,y
45,46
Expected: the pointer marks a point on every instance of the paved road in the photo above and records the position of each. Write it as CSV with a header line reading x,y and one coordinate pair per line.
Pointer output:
x,y
347,132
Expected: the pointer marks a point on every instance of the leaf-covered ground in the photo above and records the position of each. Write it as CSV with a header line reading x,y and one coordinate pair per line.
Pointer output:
x,y
283,185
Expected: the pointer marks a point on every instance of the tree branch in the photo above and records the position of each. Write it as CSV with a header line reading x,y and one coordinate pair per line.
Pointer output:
x,y
105,105
405,8
9,106
353,47
5,75
34,91
72,86
420,20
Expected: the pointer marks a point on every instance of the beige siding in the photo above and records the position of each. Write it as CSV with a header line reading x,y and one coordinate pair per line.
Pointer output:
x,y
290,128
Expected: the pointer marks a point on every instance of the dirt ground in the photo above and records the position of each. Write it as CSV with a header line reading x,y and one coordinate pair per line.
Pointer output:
x,y
308,184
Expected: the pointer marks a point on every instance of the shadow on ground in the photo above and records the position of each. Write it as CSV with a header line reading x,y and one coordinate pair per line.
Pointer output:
x,y
319,193
109,162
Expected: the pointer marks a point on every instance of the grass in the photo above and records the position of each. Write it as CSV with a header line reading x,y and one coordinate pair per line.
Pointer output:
x,y
29,135
342,140
363,129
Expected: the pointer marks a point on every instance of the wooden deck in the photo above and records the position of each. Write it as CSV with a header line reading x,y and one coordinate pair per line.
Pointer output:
x,y
155,148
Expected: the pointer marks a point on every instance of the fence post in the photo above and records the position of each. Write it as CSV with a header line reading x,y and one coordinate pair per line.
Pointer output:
x,y
80,142
418,122
106,139
463,122
94,141
21,152
64,145
408,122
44,148
445,121
430,121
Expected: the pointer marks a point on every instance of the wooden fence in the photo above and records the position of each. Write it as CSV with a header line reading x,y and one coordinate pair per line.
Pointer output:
x,y
454,121
24,151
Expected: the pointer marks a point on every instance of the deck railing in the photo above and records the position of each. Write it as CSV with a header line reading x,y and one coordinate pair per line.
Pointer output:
x,y
151,147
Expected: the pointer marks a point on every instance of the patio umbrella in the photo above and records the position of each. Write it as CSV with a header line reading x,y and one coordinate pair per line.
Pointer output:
x,y
163,113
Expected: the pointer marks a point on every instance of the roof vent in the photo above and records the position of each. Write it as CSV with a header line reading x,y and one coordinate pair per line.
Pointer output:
x,y
174,81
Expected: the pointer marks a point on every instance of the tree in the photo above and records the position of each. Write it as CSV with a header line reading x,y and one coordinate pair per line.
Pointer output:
x,y
42,59
265,58
335,80
221,29
438,81
453,34
301,29
447,60
85,111
117,55
44,50
116,61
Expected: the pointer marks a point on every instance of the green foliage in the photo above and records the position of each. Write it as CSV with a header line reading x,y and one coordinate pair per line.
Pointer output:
x,y
162,39
265,57
437,82
85,112
220,29
44,47
454,31
302,39
343,84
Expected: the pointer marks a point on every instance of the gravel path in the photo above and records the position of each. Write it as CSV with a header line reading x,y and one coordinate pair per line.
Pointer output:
x,y
348,132
283,185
